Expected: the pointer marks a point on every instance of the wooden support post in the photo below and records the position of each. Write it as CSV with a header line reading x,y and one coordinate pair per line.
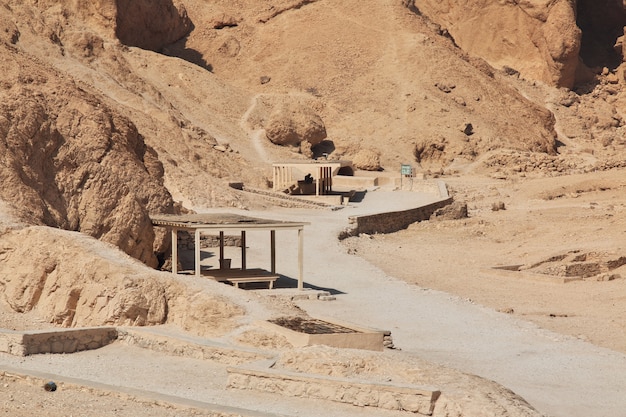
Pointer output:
x,y
317,181
221,248
174,250
329,179
273,251
243,250
300,259
196,248
221,244
275,178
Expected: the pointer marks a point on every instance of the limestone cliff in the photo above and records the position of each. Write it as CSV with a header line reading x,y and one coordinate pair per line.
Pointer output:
x,y
70,161
538,38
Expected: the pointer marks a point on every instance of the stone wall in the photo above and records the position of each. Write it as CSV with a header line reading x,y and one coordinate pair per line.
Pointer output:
x,y
56,341
205,349
186,240
393,221
363,394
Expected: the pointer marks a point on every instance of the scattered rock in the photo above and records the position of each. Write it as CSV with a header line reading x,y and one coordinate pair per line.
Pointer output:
x,y
510,71
456,210
222,20
446,88
467,129
498,206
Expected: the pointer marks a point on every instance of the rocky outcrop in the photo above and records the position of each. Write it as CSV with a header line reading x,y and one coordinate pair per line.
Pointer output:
x,y
72,280
538,38
147,24
290,124
151,24
71,162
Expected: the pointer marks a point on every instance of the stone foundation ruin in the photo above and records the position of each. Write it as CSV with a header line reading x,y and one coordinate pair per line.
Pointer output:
x,y
574,265
302,332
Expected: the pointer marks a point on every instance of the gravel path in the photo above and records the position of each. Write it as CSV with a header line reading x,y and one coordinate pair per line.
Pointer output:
x,y
559,375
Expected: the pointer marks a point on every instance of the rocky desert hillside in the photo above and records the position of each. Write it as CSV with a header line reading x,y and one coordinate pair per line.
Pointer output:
x,y
113,110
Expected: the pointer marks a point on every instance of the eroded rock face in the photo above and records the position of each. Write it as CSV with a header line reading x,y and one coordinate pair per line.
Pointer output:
x,y
71,162
147,24
73,280
538,38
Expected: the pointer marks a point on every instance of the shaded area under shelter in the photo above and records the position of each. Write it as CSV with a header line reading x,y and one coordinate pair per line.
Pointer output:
x,y
211,223
311,177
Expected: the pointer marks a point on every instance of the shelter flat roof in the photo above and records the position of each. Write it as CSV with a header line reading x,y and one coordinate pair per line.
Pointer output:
x,y
221,221
314,162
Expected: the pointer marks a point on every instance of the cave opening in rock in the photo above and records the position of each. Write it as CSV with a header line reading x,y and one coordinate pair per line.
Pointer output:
x,y
602,23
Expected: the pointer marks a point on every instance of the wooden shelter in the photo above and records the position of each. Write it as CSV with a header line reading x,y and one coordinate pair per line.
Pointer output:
x,y
322,171
196,224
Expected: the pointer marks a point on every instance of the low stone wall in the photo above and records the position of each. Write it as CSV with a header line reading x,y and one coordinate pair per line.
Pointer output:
x,y
55,341
361,338
187,241
393,221
363,394
144,338
12,343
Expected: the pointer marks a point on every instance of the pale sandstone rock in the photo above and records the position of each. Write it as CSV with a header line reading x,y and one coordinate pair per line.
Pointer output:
x,y
367,160
292,123
76,164
142,23
539,38
73,280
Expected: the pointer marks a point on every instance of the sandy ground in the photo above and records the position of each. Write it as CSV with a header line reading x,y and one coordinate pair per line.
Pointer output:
x,y
557,345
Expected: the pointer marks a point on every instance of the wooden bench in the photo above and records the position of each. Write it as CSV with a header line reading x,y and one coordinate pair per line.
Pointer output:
x,y
239,276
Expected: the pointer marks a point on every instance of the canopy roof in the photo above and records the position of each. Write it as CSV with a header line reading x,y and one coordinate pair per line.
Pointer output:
x,y
221,221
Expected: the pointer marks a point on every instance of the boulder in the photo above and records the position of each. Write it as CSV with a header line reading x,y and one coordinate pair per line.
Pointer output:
x,y
292,123
454,211
151,24
367,160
